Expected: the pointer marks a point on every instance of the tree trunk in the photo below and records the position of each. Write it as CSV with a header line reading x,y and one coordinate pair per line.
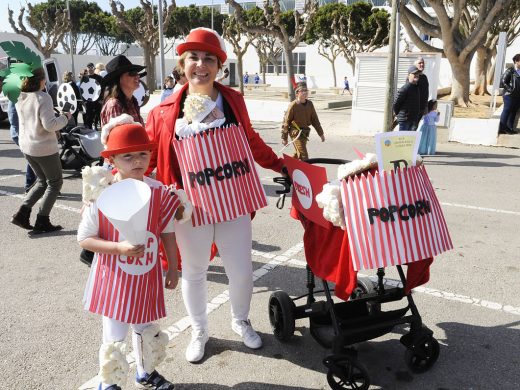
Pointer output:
x,y
149,62
460,82
290,71
240,73
484,56
334,72
264,67
491,71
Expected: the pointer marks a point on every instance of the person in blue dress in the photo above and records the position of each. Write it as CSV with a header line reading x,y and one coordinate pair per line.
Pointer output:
x,y
429,130
256,78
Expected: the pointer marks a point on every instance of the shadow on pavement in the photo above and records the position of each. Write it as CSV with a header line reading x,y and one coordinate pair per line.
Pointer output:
x,y
240,386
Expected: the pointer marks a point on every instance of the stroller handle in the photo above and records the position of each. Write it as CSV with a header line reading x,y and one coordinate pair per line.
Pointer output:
x,y
331,161
286,181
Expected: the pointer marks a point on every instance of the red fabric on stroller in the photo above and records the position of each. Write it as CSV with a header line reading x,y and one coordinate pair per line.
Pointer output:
x,y
328,255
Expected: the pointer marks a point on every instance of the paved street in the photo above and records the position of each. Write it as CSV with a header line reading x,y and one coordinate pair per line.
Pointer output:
x,y
49,342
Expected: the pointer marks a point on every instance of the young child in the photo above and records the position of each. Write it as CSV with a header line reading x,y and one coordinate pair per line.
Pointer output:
x,y
131,299
169,83
429,130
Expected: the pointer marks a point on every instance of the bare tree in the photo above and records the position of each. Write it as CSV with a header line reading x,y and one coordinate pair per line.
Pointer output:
x,y
49,30
233,34
461,25
268,50
142,25
360,29
484,69
277,27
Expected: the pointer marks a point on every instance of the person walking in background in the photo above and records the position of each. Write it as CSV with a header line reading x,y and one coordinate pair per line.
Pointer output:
x,y
68,77
100,69
91,118
346,86
180,79
225,75
428,129
246,78
169,84
30,176
407,104
39,144
299,116
424,88
256,78
511,84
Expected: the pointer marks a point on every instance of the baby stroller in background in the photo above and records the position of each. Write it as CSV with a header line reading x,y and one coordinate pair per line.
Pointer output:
x,y
339,325
79,146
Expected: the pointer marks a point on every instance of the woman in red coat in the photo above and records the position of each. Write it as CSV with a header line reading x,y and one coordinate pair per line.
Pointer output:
x,y
206,146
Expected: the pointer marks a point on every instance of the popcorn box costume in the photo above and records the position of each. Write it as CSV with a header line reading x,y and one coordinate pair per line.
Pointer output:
x,y
209,149
220,176
125,290
129,290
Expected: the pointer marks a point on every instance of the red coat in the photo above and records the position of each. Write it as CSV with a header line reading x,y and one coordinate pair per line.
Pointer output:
x,y
160,126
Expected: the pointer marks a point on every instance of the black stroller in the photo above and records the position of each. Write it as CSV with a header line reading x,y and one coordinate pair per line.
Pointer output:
x,y
339,325
79,146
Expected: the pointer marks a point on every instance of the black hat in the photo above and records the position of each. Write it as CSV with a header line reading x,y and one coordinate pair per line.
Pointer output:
x,y
413,69
119,65
300,85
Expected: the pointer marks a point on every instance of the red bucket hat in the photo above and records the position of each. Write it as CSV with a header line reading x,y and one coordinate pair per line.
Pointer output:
x,y
125,137
204,39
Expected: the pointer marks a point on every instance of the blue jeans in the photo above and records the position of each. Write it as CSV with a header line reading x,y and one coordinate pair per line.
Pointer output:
x,y
30,176
511,106
407,126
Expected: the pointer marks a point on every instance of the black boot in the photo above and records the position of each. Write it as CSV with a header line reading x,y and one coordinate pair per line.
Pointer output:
x,y
44,225
21,218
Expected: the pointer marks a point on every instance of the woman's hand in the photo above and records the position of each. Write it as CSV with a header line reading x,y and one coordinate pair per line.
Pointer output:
x,y
126,249
172,278
322,138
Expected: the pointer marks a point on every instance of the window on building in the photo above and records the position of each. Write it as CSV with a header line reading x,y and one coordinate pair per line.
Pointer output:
x,y
299,62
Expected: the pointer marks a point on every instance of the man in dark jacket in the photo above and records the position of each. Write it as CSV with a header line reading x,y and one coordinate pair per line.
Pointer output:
x,y
424,87
511,84
407,104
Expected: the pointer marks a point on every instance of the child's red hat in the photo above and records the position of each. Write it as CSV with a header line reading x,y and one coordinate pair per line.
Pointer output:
x,y
125,138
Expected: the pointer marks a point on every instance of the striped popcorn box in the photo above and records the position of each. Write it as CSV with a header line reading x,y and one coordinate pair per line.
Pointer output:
x,y
393,218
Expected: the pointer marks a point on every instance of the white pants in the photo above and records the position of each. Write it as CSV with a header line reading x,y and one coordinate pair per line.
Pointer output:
x,y
233,240
114,330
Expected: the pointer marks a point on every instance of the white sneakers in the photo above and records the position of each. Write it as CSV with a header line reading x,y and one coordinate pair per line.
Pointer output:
x,y
199,338
245,330
195,350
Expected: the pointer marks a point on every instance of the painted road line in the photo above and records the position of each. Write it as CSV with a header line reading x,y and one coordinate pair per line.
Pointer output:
x,y
437,293
184,324
9,177
57,205
487,209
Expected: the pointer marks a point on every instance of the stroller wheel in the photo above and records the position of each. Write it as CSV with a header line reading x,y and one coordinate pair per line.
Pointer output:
x,y
420,358
347,373
281,315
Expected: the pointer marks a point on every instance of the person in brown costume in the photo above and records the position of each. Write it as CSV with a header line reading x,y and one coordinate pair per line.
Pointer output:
x,y
299,116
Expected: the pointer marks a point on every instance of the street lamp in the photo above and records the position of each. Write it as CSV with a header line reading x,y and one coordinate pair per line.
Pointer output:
x,y
212,15
70,42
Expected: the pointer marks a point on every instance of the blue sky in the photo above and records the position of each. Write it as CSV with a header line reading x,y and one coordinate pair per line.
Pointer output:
x,y
104,4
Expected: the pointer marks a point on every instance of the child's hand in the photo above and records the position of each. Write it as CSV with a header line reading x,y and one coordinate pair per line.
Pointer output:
x,y
127,249
172,278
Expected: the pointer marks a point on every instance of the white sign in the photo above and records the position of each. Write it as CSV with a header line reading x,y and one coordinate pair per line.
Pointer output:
x,y
303,189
